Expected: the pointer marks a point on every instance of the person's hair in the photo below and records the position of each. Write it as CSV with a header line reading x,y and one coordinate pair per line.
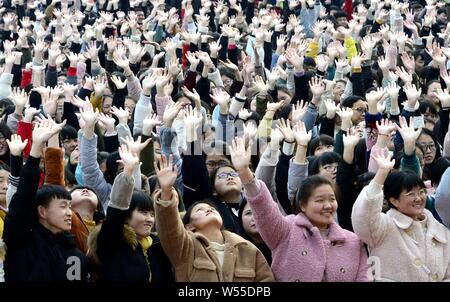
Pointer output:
x,y
224,71
437,169
306,189
102,156
350,100
428,84
399,181
340,14
322,140
187,217
426,104
140,201
47,193
325,158
442,10
68,132
69,177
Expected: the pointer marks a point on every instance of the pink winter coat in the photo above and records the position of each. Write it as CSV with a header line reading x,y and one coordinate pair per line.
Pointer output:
x,y
299,253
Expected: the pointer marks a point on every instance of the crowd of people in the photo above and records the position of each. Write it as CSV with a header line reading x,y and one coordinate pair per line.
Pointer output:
x,y
224,141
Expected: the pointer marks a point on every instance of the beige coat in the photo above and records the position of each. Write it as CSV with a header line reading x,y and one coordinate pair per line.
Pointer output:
x,y
406,250
195,260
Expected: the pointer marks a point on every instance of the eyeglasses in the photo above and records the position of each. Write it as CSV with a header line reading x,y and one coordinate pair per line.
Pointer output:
x,y
2,139
330,167
413,194
430,147
224,175
212,164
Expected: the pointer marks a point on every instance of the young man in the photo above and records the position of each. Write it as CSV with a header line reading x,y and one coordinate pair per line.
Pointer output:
x,y
40,247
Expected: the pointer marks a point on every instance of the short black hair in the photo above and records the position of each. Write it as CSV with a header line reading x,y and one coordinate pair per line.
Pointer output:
x,y
322,140
324,159
350,100
140,201
68,132
47,193
399,181
437,169
426,104
187,217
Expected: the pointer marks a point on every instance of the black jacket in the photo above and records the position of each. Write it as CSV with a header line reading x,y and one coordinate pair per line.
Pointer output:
x,y
34,253
121,258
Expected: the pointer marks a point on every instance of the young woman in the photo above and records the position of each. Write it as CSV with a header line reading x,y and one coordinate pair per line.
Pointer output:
x,y
308,245
200,250
124,247
409,242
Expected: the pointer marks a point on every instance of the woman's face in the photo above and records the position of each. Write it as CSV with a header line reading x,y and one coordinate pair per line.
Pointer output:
x,y
202,216
227,181
74,156
429,148
3,145
338,90
419,63
432,89
283,96
322,149
227,82
130,104
321,206
106,105
142,222
249,223
359,110
329,171
411,203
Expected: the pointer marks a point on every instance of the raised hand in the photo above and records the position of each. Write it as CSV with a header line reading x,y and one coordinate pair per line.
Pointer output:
x,y
285,127
261,85
129,159
136,146
121,114
171,112
89,117
385,127
16,146
317,87
350,139
346,116
240,156
150,122
69,90
331,107
412,93
250,131
107,122
244,114
221,97
298,111
19,98
99,86
301,136
374,98
408,134
383,160
166,172
192,95
444,97
118,82
42,132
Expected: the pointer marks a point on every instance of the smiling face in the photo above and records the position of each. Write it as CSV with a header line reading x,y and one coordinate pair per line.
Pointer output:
x,y
227,181
142,222
203,216
411,203
320,206
57,216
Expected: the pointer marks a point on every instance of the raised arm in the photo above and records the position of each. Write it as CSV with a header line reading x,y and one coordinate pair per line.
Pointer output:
x,y
369,223
271,224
